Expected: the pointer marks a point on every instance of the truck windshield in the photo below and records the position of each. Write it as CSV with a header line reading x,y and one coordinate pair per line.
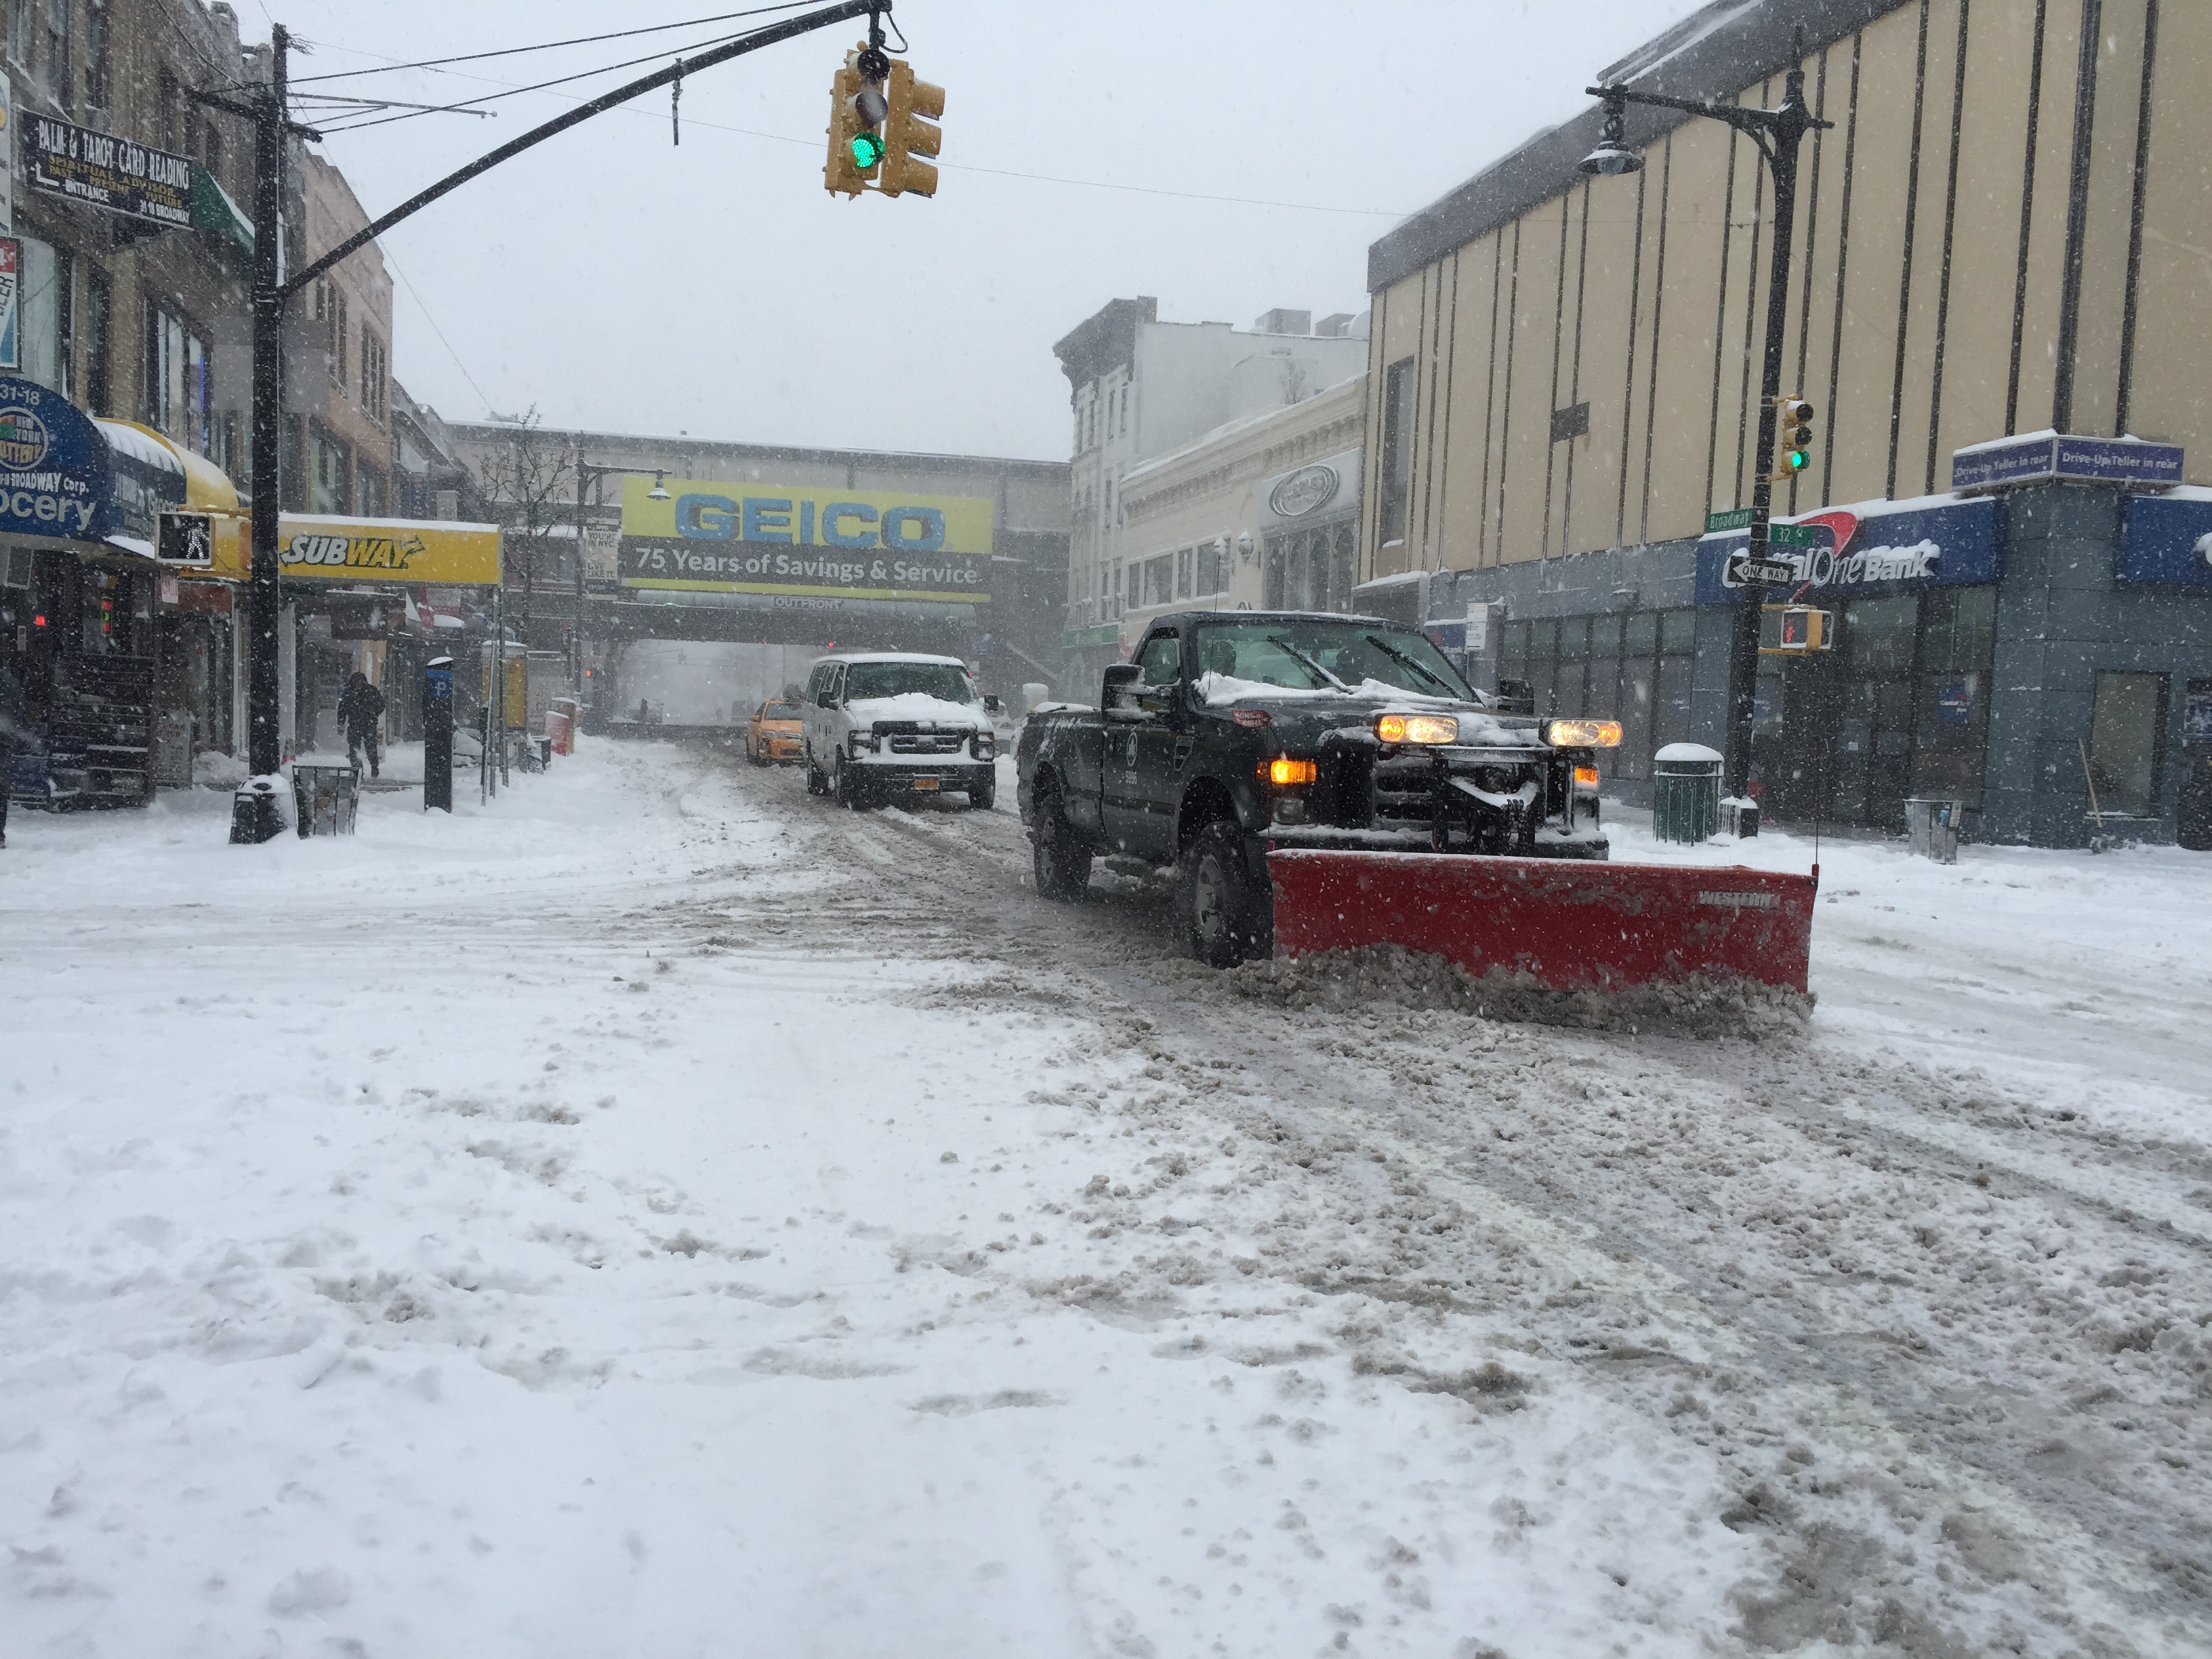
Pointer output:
x,y
1307,654
947,680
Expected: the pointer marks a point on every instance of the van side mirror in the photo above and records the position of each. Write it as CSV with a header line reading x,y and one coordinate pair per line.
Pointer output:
x,y
827,699
1119,694
993,705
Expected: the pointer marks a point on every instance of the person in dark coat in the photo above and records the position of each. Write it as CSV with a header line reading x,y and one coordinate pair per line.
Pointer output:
x,y
360,706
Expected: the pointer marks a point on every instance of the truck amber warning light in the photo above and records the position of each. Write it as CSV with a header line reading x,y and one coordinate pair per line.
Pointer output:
x,y
1582,734
1282,770
1418,728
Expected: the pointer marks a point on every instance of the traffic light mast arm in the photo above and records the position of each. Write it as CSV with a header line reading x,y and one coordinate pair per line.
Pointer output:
x,y
789,30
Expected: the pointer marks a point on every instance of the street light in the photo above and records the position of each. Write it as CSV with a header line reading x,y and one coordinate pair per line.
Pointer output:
x,y
659,491
1613,156
1777,132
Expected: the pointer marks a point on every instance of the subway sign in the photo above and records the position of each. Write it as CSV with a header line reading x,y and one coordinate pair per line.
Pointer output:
x,y
803,542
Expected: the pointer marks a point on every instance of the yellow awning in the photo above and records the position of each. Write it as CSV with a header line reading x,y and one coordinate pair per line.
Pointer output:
x,y
317,547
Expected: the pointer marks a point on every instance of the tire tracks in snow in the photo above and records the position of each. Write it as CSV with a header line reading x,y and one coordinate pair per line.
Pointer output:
x,y
1743,1280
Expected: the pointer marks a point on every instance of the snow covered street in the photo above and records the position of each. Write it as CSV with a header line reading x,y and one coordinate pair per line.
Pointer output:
x,y
664,1214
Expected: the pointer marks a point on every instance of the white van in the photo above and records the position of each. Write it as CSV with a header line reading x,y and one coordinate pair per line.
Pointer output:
x,y
885,723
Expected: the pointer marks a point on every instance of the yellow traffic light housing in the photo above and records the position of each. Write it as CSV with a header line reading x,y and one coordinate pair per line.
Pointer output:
x,y
1793,439
909,132
856,115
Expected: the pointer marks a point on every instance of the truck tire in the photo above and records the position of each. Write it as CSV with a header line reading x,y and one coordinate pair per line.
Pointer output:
x,y
1060,856
846,785
1226,917
981,797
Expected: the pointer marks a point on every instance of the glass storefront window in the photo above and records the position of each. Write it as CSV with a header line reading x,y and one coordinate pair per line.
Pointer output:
x,y
1640,637
1678,631
2127,742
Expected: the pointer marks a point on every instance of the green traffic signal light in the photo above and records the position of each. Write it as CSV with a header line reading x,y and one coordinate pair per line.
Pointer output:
x,y
1798,460
867,151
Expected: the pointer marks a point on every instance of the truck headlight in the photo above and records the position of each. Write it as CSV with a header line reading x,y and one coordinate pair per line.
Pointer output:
x,y
1582,734
1283,771
986,747
1416,728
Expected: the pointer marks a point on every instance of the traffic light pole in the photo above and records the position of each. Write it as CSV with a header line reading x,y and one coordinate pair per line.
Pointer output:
x,y
272,288
1778,133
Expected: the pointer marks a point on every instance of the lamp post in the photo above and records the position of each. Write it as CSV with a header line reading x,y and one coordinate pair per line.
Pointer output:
x,y
1777,132
588,473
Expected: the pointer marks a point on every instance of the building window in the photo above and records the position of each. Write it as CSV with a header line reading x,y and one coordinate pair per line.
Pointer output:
x,y
57,52
372,378
99,66
19,31
1212,577
1185,571
45,321
1397,447
2127,743
330,484
99,341
177,391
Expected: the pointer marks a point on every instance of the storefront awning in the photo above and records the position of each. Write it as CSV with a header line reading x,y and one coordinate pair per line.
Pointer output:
x,y
214,210
154,475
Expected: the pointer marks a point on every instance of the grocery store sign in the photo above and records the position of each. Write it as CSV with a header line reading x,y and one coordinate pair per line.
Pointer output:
x,y
1847,550
312,547
55,466
802,542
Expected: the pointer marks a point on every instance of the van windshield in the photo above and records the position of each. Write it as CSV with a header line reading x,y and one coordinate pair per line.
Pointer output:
x,y
1307,653
947,680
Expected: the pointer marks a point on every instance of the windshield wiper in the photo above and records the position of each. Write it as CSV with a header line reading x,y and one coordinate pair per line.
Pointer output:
x,y
1400,657
1306,662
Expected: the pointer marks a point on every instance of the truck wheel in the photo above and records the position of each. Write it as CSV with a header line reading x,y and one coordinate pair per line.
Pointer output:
x,y
1226,917
983,795
1060,856
757,756
846,785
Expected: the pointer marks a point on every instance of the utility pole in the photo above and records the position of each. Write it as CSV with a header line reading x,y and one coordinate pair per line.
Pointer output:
x,y
272,288
1777,132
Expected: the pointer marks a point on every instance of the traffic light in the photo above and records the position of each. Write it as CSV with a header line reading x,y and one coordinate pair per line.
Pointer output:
x,y
1794,438
909,131
857,106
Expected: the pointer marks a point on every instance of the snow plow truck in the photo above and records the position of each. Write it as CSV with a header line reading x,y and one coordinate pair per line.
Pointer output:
x,y
1321,782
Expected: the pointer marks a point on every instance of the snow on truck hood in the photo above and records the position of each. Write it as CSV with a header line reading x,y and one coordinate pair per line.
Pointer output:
x,y
1476,725
917,706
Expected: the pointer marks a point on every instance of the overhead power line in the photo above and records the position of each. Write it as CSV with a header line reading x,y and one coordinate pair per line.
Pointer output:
x,y
552,45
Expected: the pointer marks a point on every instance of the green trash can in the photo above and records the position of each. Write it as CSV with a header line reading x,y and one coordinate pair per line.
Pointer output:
x,y
1685,792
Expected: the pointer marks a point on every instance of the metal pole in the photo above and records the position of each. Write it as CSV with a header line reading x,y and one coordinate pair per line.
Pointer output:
x,y
1792,122
576,629
264,752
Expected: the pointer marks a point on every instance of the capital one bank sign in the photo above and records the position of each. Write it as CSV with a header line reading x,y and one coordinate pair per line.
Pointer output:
x,y
1859,551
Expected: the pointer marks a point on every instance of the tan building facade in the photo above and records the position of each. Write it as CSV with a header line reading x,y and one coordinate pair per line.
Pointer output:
x,y
2003,232
1262,514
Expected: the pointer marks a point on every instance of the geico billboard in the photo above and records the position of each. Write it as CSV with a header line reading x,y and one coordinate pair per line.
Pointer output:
x,y
785,538
318,548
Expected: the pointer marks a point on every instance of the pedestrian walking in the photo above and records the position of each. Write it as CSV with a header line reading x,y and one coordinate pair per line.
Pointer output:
x,y
360,706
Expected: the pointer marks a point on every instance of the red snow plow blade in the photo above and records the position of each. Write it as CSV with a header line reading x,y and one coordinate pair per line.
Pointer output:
x,y
1567,924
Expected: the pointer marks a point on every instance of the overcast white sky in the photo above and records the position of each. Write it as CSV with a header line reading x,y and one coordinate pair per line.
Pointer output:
x,y
619,283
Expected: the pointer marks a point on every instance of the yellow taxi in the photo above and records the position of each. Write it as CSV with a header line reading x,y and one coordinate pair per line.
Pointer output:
x,y
775,733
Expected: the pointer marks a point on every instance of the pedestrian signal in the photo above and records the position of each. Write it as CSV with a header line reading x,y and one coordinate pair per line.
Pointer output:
x,y
1802,629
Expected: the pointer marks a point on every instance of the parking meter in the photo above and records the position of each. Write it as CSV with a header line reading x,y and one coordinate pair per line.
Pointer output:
x,y
438,734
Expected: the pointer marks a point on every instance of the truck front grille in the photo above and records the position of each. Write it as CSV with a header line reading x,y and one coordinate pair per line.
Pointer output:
x,y
1401,792
927,742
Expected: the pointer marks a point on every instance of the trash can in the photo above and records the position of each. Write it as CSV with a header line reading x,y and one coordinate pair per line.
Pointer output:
x,y
561,722
1932,826
256,813
1685,792
326,792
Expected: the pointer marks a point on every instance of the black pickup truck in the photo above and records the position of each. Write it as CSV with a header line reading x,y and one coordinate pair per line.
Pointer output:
x,y
1234,732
